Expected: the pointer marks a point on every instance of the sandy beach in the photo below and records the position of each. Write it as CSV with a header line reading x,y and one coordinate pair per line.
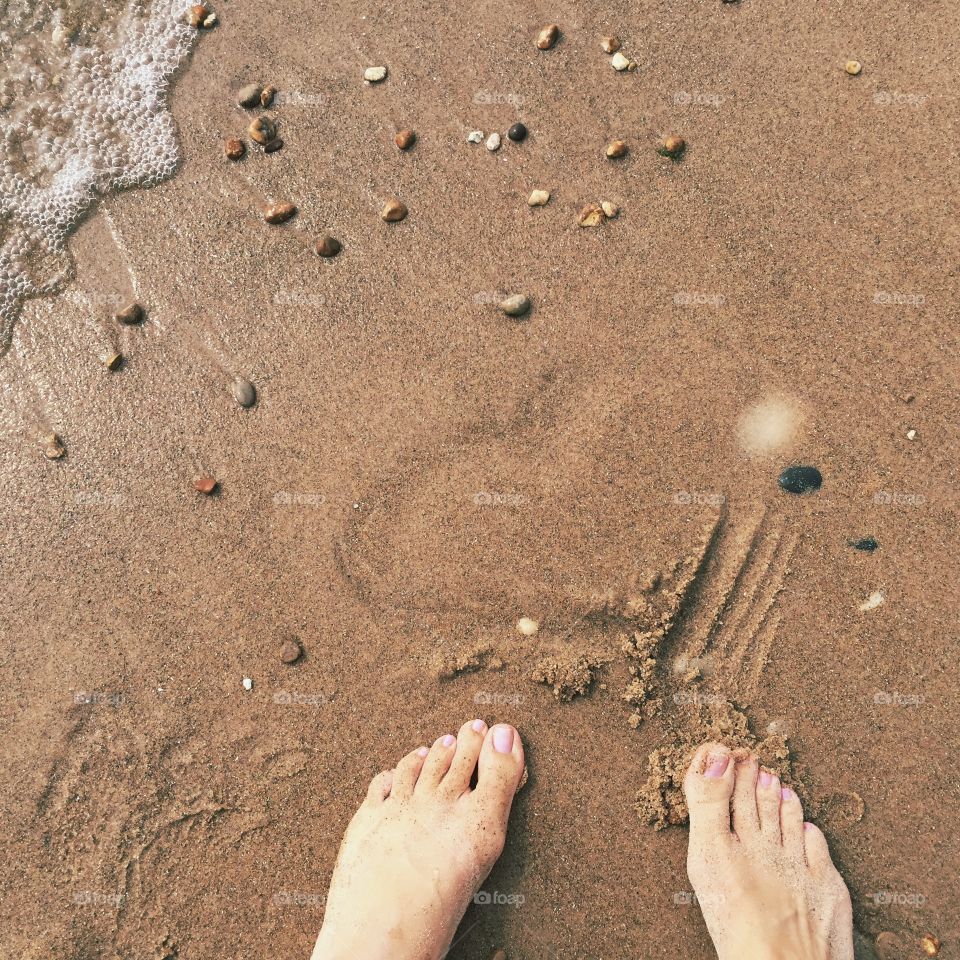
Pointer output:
x,y
420,471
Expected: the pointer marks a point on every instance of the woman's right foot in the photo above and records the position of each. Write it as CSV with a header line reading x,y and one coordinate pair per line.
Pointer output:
x,y
763,878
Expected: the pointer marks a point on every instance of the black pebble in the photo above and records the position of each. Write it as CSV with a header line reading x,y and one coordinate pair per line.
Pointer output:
x,y
800,479
517,132
864,543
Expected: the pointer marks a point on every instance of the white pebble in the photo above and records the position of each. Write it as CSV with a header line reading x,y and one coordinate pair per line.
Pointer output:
x,y
493,142
374,74
247,683
475,136
911,434
538,198
872,602
527,626
619,61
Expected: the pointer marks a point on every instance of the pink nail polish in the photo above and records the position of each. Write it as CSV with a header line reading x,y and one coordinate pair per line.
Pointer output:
x,y
479,726
807,825
449,740
422,751
786,794
766,778
716,766
502,738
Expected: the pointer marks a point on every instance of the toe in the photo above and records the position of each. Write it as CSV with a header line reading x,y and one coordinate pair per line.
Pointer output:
x,y
815,849
437,762
464,764
768,806
379,788
791,823
746,817
708,786
499,769
406,774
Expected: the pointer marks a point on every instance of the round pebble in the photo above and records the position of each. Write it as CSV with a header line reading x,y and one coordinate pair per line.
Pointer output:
x,y
393,211
548,36
131,314
279,212
234,148
249,95
853,67
619,62
493,142
274,145
266,96
291,651
113,361
198,15
518,133
610,210
527,626
262,130
375,74
673,147
868,544
405,139
205,484
616,149
516,305
800,479
328,246
475,136
244,392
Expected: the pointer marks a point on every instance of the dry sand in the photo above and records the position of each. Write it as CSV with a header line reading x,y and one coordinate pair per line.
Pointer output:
x,y
802,255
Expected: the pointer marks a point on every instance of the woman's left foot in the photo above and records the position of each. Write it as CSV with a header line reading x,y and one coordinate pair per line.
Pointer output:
x,y
419,847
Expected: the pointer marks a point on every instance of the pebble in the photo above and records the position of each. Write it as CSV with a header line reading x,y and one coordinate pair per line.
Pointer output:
x,y
475,136
279,212
930,944
205,484
590,216
131,314
247,683
234,148
374,74
113,361
800,479
853,67
249,95
610,44
244,392
619,62
291,651
869,544
516,305
673,147
328,246
266,95
610,210
493,142
527,626
198,15
538,198
499,955
405,139
393,211
911,434
518,132
263,130
616,149
872,602
548,36
54,448
274,145
211,22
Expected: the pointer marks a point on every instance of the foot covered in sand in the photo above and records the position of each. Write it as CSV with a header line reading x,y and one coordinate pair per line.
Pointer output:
x,y
763,878
422,842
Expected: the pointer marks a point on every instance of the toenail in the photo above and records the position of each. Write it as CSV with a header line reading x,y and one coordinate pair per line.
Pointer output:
x,y
449,740
422,751
716,766
786,794
479,726
807,825
503,738
766,778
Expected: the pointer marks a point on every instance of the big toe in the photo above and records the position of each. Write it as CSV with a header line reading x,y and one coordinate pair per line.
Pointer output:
x,y
708,787
499,769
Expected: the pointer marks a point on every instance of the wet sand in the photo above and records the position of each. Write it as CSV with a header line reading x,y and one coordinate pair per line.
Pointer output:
x,y
803,249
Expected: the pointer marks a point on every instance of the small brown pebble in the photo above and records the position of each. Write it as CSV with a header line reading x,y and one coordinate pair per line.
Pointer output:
x,y
279,212
517,305
591,216
328,246
244,392
393,211
610,210
54,448
405,139
853,67
263,130
930,944
616,149
673,147
234,148
205,484
266,95
548,36
499,955
291,651
113,361
610,44
274,145
131,314
198,13
249,95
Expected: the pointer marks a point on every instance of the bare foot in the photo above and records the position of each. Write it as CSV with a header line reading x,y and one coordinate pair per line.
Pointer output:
x,y
419,847
767,887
